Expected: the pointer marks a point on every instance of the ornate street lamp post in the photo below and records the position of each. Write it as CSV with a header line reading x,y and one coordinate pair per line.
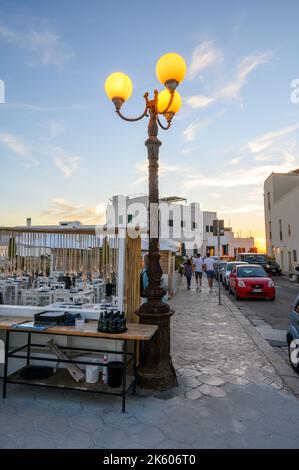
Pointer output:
x,y
155,370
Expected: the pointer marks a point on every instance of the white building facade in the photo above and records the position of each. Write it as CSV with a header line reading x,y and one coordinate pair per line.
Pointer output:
x,y
230,245
180,222
281,201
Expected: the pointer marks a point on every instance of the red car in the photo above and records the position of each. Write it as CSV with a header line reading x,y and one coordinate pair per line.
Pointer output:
x,y
251,281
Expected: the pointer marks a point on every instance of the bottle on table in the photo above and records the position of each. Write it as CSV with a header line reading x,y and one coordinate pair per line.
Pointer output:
x,y
100,322
112,323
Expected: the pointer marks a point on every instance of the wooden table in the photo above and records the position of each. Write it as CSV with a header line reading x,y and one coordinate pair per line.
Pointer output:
x,y
62,379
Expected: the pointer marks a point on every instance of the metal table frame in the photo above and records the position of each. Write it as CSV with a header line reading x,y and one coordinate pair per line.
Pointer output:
x,y
129,357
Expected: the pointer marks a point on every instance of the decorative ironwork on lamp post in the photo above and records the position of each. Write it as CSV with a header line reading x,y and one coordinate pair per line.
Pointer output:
x,y
155,370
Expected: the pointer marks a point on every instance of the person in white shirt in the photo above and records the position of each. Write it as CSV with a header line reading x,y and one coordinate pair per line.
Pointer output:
x,y
198,266
209,268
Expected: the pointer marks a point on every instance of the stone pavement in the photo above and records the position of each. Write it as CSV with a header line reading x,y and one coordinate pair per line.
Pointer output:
x,y
229,395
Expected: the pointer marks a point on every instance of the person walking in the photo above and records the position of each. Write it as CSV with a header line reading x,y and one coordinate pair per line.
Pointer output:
x,y
188,272
198,266
209,268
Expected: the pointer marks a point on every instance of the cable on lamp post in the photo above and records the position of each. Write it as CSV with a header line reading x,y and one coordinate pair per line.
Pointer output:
x,y
155,369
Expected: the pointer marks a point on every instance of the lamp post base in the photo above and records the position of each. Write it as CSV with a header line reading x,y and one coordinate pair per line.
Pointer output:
x,y
155,370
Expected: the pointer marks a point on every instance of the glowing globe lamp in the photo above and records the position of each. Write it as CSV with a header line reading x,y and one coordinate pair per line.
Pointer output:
x,y
171,67
163,101
118,85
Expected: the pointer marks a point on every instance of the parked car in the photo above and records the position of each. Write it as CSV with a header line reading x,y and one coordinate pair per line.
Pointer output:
x,y
251,281
225,275
253,258
293,331
221,269
272,267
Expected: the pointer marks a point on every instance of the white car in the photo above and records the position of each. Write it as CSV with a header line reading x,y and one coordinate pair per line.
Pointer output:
x,y
225,275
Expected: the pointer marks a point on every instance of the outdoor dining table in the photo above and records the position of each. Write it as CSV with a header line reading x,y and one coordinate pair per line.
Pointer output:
x,y
62,379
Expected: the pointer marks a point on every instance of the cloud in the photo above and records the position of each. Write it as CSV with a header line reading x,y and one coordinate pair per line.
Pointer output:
x,y
68,164
215,195
266,141
61,209
44,46
190,150
243,209
141,179
54,128
204,55
164,169
255,195
195,127
232,89
48,48
15,145
199,101
234,161
8,34
250,176
244,69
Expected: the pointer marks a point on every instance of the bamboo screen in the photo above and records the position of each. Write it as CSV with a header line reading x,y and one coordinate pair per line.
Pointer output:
x,y
39,252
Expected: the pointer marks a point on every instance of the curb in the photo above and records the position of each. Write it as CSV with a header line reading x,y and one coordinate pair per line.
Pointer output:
x,y
284,370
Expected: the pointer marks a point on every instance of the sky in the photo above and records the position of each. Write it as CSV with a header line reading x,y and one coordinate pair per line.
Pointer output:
x,y
63,150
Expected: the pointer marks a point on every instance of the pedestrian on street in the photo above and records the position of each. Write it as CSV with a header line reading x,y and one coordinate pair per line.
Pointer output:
x,y
188,272
209,268
198,266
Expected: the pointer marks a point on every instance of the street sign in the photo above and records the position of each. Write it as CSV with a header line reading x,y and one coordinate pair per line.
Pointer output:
x,y
218,228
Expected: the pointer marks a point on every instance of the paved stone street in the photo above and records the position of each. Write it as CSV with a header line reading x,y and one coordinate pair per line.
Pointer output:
x,y
211,349
230,395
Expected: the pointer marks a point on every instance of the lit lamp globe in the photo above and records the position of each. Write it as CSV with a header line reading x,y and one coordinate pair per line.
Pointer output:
x,y
164,99
118,87
171,70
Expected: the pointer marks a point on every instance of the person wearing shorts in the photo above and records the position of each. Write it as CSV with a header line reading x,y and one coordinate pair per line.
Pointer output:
x,y
210,270
198,265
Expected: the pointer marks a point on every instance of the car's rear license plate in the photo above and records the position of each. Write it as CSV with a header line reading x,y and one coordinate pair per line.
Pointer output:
x,y
257,290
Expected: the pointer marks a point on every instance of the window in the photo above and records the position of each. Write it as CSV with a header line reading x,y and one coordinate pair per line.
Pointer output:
x,y
207,228
211,228
170,222
183,223
224,250
289,230
270,230
194,225
295,256
280,230
130,217
254,271
269,202
120,220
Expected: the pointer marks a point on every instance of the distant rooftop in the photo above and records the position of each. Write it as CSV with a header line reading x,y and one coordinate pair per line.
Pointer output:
x,y
173,199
